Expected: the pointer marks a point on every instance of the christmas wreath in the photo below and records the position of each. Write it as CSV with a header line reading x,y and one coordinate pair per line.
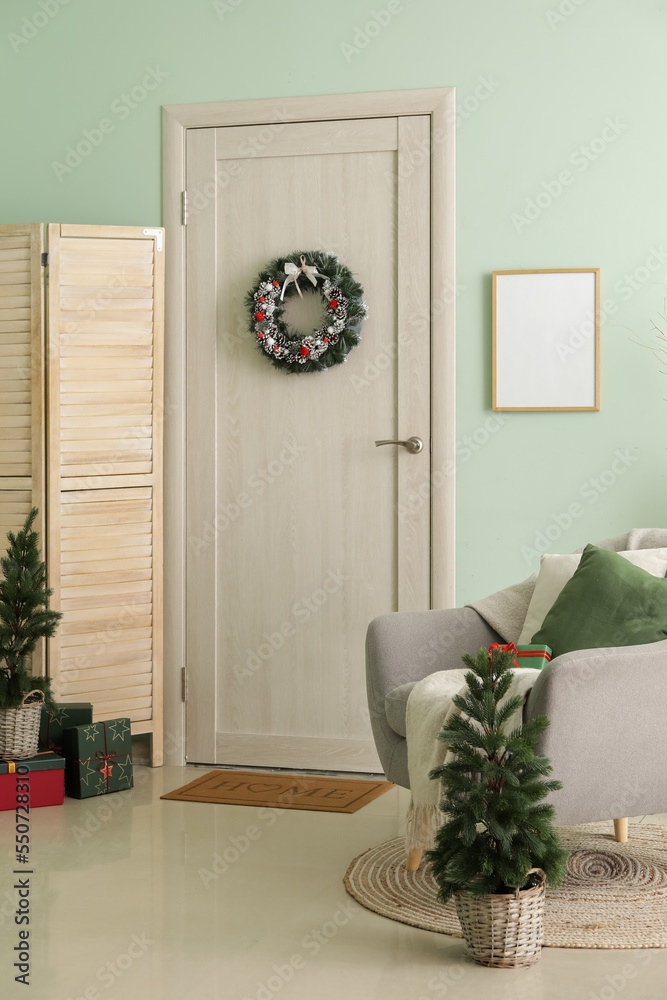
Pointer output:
x,y
345,307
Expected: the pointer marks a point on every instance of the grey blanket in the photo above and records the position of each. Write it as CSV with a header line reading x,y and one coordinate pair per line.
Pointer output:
x,y
505,611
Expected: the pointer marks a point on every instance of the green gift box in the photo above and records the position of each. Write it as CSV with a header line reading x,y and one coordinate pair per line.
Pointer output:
x,y
51,724
42,761
99,758
533,656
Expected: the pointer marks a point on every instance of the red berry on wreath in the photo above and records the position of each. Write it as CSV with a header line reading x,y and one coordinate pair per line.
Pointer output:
x,y
261,298
261,336
333,303
275,283
326,340
305,351
276,348
259,316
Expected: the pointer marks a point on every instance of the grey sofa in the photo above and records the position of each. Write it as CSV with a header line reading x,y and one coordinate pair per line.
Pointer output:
x,y
608,711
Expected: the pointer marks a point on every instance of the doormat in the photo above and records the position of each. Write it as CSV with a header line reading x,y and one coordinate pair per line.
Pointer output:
x,y
281,791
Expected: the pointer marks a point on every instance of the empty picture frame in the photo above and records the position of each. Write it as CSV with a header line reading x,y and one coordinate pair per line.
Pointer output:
x,y
546,339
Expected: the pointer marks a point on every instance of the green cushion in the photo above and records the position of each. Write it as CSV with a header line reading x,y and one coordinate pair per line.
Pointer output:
x,y
608,602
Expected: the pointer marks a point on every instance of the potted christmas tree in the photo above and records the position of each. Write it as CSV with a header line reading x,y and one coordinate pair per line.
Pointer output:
x,y
24,619
497,847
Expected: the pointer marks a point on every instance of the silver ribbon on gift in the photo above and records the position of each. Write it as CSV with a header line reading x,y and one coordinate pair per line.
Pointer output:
x,y
294,273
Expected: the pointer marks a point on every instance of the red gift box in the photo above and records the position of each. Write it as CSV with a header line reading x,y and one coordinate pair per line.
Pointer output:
x,y
46,779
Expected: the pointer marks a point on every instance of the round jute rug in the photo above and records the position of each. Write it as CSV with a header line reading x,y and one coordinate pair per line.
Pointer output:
x,y
614,895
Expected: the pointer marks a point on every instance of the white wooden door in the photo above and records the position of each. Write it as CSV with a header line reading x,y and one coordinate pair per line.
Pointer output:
x,y
298,527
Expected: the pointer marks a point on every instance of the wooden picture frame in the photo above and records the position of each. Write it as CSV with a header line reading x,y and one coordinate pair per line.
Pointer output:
x,y
546,339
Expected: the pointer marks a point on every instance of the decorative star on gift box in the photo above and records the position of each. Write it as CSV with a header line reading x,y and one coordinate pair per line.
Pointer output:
x,y
91,732
123,775
118,729
101,787
59,714
89,772
106,770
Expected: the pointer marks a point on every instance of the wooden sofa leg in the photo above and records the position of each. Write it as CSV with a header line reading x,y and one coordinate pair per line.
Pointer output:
x,y
621,830
413,859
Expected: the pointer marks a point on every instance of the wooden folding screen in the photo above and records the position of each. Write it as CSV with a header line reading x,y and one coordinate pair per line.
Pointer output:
x,y
21,382
104,469
98,443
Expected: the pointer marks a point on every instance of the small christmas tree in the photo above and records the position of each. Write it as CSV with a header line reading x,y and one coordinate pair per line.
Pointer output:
x,y
24,615
497,826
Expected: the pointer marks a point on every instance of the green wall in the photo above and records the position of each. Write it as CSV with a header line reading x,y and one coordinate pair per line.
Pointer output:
x,y
548,74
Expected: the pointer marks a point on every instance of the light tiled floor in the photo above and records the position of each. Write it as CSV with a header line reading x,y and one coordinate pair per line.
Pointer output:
x,y
134,897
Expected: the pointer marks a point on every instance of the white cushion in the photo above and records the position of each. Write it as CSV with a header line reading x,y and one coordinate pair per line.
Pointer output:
x,y
555,571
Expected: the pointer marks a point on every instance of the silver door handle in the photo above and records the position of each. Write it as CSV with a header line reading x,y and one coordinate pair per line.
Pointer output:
x,y
413,444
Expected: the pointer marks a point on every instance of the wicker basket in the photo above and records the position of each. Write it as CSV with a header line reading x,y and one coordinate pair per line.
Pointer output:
x,y
19,728
504,931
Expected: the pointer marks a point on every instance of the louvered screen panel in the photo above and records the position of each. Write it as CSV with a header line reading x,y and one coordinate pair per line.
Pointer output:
x,y
106,289
21,383
21,356
106,596
106,356
14,508
15,357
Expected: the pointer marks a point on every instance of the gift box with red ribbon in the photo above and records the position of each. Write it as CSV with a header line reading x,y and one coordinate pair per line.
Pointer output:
x,y
42,782
533,656
64,715
99,758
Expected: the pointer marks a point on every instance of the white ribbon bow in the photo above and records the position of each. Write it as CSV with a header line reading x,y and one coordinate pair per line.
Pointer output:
x,y
293,274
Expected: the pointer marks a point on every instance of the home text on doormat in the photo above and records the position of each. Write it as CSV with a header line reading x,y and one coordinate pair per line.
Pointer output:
x,y
282,791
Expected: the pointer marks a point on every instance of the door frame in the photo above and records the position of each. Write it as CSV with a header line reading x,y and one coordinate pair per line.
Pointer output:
x,y
440,105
